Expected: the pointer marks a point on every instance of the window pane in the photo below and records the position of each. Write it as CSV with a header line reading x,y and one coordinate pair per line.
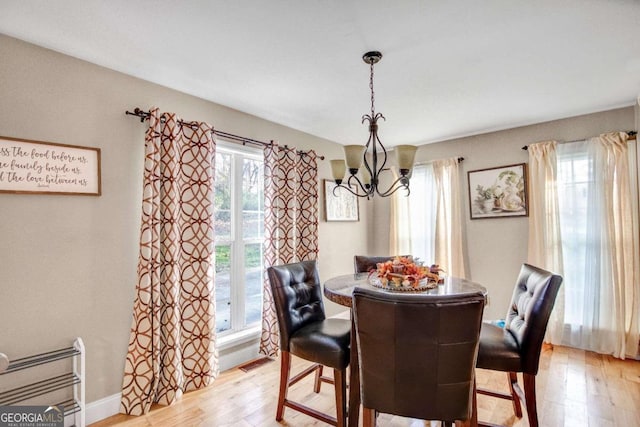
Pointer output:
x,y
574,183
223,287
253,282
252,200
422,214
223,199
239,216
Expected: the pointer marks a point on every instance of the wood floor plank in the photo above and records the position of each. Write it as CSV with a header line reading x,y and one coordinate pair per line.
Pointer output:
x,y
574,387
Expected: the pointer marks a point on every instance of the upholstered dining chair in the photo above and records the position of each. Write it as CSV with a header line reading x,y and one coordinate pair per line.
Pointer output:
x,y
417,354
516,346
306,332
364,264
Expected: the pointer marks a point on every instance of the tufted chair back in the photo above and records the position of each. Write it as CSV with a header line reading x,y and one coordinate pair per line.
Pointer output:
x,y
418,352
531,304
297,295
305,332
364,264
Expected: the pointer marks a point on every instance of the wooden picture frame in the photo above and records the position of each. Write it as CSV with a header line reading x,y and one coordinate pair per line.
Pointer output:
x,y
341,205
498,192
37,167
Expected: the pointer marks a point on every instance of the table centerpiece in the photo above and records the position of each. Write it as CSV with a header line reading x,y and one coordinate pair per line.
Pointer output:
x,y
405,274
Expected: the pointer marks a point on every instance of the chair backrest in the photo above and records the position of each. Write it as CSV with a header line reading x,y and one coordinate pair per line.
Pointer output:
x,y
364,264
531,304
418,353
297,295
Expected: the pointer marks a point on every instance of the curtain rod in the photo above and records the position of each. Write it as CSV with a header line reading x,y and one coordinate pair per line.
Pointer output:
x,y
144,115
458,159
632,136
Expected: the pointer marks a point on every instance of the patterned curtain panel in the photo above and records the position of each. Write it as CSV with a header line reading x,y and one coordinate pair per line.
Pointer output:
x,y
172,343
291,223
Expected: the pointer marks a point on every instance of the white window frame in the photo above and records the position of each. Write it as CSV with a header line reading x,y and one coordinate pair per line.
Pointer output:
x,y
239,331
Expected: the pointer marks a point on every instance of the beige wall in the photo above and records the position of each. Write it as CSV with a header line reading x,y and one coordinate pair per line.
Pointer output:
x,y
68,263
497,247
637,110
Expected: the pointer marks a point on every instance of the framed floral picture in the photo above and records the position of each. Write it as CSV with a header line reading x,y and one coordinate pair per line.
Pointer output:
x,y
498,192
341,205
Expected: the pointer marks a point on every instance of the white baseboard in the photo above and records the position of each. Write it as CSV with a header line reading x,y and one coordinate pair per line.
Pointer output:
x,y
229,357
102,408
233,357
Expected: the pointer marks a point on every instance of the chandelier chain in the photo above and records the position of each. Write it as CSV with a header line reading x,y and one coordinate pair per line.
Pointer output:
x,y
371,87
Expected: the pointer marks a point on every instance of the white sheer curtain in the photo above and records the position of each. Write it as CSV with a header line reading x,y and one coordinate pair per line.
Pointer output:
x,y
422,213
400,233
598,232
448,241
428,223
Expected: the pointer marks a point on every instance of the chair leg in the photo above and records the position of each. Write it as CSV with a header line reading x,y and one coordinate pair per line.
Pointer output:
x,y
340,385
517,408
285,370
317,382
368,417
530,399
474,403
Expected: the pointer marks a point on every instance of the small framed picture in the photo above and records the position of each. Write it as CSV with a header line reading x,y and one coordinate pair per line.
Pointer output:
x,y
339,205
498,192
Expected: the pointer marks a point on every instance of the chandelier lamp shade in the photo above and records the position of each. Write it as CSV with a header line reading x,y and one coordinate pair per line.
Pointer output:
x,y
366,163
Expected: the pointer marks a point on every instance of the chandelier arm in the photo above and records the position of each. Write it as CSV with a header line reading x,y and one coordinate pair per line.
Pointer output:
x,y
400,183
348,185
361,186
390,191
373,174
355,193
384,151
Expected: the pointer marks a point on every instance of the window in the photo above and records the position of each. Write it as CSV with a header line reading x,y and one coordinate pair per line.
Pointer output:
x,y
422,213
239,224
575,178
597,243
428,223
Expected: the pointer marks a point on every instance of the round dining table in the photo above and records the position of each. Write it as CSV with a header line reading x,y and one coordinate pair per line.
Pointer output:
x,y
340,290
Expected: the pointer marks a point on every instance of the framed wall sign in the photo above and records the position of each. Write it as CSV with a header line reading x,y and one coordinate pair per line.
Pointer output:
x,y
341,206
47,168
498,192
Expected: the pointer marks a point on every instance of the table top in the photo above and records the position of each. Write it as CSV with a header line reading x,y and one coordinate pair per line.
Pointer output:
x,y
340,289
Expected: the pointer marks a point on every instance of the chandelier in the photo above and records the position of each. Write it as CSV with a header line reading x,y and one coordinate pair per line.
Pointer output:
x,y
373,155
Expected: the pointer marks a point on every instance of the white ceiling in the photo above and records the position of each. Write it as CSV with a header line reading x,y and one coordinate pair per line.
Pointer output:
x,y
450,68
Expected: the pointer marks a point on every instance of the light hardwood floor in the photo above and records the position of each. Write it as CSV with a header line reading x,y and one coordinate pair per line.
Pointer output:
x,y
575,388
